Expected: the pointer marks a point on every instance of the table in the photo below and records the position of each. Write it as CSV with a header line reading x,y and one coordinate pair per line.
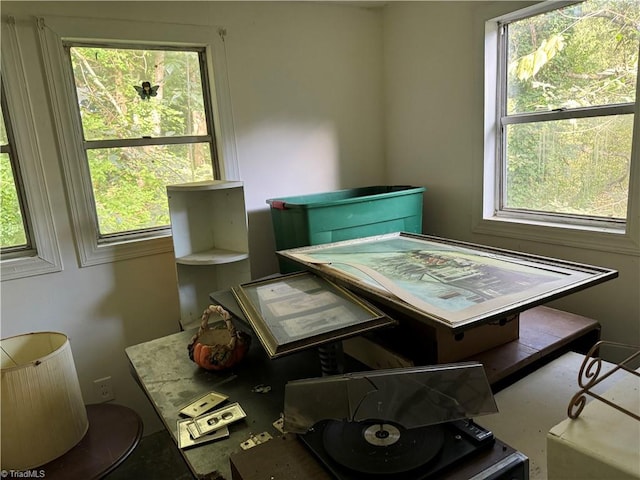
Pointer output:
x,y
170,380
545,333
528,408
114,432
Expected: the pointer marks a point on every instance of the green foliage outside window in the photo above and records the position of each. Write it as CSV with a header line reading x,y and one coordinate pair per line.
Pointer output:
x,y
129,181
584,55
111,107
12,231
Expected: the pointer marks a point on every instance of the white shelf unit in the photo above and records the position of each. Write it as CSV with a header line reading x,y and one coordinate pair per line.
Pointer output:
x,y
210,242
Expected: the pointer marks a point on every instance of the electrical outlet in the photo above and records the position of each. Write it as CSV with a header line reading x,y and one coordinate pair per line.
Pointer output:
x,y
104,389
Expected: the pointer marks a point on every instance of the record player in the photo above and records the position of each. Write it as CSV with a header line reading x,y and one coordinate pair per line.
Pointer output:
x,y
400,424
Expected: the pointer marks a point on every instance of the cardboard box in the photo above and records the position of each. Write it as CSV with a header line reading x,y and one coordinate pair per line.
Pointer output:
x,y
453,348
414,343
374,355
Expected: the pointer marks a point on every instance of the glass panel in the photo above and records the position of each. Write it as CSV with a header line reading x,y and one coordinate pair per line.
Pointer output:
x,y
411,397
129,184
576,166
12,231
579,56
108,83
300,311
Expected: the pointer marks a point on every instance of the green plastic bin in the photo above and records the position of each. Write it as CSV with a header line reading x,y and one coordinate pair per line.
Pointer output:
x,y
343,215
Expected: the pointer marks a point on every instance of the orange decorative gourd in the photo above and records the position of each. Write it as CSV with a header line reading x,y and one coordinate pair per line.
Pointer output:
x,y
220,345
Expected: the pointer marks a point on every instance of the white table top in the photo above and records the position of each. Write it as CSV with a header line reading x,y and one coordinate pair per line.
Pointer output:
x,y
529,408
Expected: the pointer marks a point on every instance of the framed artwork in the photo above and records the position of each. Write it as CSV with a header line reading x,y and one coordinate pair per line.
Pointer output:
x,y
301,310
446,282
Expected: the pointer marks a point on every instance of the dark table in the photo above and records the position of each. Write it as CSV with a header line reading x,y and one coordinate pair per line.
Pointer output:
x,y
171,380
114,432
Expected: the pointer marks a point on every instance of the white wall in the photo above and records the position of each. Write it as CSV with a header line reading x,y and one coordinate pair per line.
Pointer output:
x,y
305,84
433,74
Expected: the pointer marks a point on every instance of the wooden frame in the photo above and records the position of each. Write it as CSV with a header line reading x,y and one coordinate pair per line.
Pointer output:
x,y
302,310
446,282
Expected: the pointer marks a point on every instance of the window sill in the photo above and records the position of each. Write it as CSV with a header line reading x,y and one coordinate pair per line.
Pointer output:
x,y
589,238
14,268
116,251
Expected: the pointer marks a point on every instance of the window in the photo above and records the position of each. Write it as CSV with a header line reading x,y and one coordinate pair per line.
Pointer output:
x,y
564,103
14,230
136,108
145,123
27,232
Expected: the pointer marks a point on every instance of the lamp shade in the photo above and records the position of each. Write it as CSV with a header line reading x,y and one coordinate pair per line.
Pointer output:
x,y
43,414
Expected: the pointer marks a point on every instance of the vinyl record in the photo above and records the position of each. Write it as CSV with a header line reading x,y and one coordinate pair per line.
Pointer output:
x,y
381,448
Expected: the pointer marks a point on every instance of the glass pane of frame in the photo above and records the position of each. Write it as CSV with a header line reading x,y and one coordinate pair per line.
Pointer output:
x,y
301,310
129,183
135,93
445,282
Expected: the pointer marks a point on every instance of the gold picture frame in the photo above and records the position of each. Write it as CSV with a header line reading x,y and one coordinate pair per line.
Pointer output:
x,y
301,310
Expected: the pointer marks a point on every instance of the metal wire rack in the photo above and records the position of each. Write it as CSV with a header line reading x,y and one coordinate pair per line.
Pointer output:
x,y
591,374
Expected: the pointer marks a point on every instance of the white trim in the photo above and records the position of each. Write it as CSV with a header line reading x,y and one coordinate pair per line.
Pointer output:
x,y
558,234
485,221
223,109
633,206
491,119
536,9
583,112
52,31
27,146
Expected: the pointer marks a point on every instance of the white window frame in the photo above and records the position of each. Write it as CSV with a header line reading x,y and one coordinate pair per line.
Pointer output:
x,y
52,32
605,236
44,256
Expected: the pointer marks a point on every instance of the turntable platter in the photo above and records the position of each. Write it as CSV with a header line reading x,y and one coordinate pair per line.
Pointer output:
x,y
381,448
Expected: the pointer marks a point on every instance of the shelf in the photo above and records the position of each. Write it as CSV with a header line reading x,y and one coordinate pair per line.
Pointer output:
x,y
203,185
210,241
214,256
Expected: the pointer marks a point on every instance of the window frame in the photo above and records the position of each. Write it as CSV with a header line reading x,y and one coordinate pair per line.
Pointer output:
x,y
573,230
27,249
54,32
43,255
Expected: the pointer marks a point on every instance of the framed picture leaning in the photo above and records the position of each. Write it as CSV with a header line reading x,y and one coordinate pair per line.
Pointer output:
x,y
446,282
301,310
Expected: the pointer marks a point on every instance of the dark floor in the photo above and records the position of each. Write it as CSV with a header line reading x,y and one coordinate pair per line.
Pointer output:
x,y
156,457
